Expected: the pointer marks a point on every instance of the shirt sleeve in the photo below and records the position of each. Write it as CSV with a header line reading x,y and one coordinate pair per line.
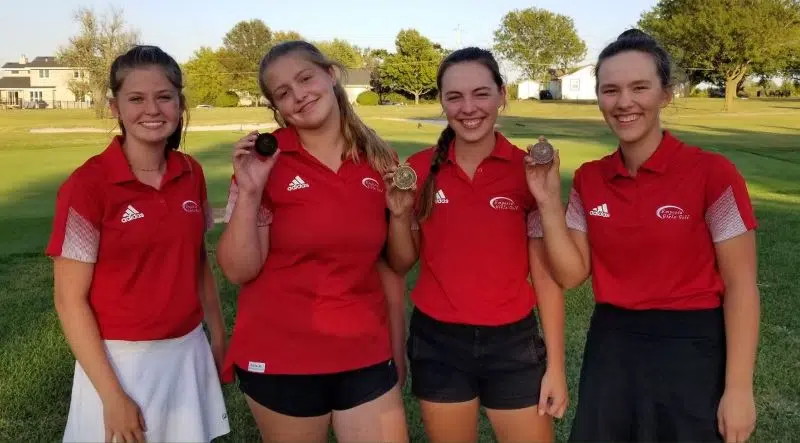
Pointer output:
x,y
264,211
729,212
77,221
576,215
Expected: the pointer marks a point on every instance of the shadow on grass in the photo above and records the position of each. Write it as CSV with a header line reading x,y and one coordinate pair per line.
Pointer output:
x,y
34,391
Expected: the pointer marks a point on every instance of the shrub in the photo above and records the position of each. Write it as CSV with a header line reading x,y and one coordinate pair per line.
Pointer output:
x,y
227,100
512,91
367,98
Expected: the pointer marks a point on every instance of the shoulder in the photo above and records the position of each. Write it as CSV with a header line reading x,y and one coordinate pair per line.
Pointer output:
x,y
91,175
190,162
422,157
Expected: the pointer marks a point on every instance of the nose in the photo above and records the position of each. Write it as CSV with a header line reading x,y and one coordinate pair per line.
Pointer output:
x,y
625,99
468,106
151,107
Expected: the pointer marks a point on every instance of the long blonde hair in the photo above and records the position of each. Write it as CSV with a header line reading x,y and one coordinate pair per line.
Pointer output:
x,y
356,134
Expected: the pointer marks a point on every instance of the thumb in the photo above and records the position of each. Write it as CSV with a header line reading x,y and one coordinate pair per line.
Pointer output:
x,y
141,421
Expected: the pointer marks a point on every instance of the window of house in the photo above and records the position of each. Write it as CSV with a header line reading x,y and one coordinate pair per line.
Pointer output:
x,y
15,72
36,95
44,73
575,84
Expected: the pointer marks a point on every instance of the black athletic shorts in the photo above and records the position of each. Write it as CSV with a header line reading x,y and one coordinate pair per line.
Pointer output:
x,y
316,395
651,375
502,365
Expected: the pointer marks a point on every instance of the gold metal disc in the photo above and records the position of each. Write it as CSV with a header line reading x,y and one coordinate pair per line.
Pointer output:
x,y
404,177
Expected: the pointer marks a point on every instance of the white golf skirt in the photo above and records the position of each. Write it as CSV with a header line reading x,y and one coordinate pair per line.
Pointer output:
x,y
173,381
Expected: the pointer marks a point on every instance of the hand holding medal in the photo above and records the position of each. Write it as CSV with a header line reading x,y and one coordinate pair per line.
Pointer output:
x,y
401,187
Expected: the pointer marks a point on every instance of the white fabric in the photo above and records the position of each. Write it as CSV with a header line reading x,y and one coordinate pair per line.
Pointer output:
x,y
724,219
173,381
535,228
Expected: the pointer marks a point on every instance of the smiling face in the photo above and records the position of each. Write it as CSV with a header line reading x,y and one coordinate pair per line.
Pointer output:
x,y
471,100
631,95
300,90
148,105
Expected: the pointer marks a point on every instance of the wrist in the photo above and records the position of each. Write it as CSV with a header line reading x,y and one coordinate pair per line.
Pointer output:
x,y
404,217
550,205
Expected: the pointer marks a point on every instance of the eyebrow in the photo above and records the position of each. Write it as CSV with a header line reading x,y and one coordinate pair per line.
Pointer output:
x,y
478,89
157,92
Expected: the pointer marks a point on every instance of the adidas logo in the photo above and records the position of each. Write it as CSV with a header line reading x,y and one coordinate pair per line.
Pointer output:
x,y
600,211
440,197
131,214
296,184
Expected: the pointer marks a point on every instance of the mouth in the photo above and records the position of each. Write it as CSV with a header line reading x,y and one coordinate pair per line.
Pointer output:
x,y
307,107
471,123
627,119
153,125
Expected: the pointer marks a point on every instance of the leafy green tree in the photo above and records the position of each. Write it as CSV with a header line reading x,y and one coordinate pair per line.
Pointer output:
x,y
205,78
343,52
537,40
99,41
285,36
729,38
412,68
243,47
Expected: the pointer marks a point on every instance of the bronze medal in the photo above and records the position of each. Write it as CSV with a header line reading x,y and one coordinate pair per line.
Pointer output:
x,y
542,152
404,177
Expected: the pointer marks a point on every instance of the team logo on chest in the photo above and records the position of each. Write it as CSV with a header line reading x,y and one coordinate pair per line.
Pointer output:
x,y
191,206
672,212
371,184
503,204
441,198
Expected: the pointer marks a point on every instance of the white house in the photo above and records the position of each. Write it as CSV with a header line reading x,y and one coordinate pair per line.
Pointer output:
x,y
356,82
576,84
529,89
42,82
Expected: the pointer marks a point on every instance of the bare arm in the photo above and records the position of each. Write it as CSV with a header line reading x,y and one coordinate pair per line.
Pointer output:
x,y
403,243
736,258
551,311
209,299
122,417
244,244
394,286
567,249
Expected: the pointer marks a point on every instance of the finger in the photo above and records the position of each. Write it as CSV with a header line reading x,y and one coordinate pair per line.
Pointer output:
x,y
556,159
128,437
561,411
543,396
142,423
139,435
721,423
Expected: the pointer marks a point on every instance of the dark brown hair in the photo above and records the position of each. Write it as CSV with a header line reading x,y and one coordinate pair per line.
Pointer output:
x,y
440,153
355,132
142,56
637,40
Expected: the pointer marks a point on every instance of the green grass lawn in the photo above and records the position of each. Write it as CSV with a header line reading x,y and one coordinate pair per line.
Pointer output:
x,y
761,136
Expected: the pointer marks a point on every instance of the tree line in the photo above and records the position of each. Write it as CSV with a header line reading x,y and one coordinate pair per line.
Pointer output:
x,y
718,41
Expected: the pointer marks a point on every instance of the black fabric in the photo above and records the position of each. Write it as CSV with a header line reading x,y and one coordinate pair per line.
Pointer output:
x,y
501,365
316,395
650,376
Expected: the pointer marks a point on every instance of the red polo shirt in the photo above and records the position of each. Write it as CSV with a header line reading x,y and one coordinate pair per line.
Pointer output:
x,y
474,264
652,236
145,243
317,306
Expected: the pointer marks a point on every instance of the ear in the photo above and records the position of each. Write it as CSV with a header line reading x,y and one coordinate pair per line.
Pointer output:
x,y
112,104
668,95
332,72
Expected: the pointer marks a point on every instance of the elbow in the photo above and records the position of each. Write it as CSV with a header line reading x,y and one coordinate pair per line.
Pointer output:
x,y
572,280
400,265
234,271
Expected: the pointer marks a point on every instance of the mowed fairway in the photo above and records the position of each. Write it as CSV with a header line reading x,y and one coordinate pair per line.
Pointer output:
x,y
761,137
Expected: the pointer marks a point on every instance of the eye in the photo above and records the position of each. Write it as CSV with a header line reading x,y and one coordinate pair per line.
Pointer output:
x,y
165,97
305,78
135,99
640,88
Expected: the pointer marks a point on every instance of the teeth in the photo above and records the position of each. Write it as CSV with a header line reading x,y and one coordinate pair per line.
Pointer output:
x,y
471,124
152,125
628,118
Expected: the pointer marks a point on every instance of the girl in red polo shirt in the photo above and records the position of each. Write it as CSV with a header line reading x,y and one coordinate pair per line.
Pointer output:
x,y
132,279
474,338
306,230
666,231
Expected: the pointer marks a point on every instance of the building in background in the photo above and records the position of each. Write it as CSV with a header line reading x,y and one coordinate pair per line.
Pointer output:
x,y
42,83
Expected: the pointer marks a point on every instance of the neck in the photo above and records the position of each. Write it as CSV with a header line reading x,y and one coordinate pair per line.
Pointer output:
x,y
144,156
475,152
635,153
326,138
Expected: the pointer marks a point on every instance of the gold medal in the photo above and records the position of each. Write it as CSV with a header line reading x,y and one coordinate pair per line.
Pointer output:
x,y
404,177
542,152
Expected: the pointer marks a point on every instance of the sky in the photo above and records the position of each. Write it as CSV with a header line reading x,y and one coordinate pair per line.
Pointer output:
x,y
40,27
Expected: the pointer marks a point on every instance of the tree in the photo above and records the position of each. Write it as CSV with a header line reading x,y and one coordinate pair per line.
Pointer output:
x,y
537,40
205,78
243,47
80,88
343,52
412,68
285,36
373,59
729,38
99,41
